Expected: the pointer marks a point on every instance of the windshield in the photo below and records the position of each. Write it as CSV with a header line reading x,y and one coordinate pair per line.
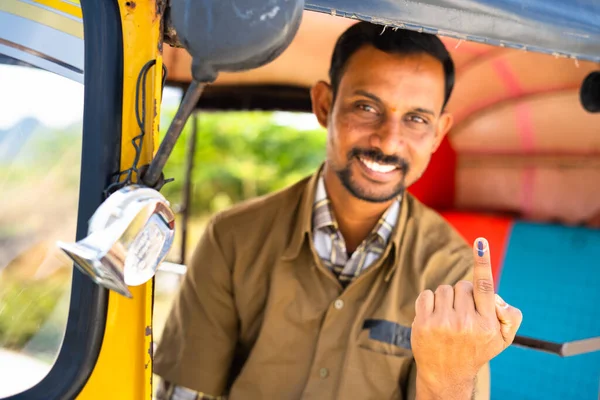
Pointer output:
x,y
40,153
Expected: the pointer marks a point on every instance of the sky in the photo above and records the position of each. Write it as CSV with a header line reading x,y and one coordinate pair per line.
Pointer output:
x,y
58,102
28,92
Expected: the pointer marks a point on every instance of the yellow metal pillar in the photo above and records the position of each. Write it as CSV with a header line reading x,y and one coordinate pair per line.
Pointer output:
x,y
124,367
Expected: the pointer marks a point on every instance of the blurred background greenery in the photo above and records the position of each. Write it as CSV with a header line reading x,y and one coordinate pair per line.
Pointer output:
x,y
239,155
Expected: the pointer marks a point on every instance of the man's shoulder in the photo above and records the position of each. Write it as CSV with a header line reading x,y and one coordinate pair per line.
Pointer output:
x,y
263,210
440,254
427,217
433,227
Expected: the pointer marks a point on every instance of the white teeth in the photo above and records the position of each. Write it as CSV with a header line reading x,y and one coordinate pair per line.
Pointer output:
x,y
382,168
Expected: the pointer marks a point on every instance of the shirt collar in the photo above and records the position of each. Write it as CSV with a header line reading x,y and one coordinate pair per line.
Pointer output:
x,y
322,216
302,226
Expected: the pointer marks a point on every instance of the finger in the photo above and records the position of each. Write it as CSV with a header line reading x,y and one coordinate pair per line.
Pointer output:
x,y
424,304
483,280
510,319
444,299
463,297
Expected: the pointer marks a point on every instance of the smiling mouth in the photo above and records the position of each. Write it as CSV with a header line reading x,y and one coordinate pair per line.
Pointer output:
x,y
378,167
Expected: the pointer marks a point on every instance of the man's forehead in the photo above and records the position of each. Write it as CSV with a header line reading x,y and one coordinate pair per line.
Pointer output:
x,y
393,77
367,60
389,80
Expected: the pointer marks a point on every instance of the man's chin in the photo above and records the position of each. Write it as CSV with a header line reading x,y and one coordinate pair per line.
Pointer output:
x,y
374,193
362,188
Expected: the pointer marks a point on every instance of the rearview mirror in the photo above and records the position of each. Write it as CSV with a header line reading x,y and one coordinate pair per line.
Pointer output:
x,y
129,236
234,35
231,36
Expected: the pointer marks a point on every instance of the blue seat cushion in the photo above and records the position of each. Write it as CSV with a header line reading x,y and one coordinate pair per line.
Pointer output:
x,y
552,273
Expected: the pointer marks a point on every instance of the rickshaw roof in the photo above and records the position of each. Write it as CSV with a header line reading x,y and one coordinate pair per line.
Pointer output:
x,y
562,30
554,26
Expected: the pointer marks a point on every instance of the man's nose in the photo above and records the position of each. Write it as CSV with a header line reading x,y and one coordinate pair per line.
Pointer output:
x,y
388,138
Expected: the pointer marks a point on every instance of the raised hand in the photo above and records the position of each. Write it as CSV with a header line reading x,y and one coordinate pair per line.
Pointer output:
x,y
459,329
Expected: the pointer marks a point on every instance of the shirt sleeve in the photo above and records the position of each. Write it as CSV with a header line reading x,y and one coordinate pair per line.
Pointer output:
x,y
201,332
169,391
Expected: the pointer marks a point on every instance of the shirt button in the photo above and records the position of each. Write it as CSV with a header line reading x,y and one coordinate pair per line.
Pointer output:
x,y
323,373
338,304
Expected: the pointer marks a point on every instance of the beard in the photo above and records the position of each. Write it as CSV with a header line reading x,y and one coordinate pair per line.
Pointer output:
x,y
372,194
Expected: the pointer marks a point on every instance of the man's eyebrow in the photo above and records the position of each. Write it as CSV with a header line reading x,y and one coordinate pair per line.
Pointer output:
x,y
377,99
424,111
369,95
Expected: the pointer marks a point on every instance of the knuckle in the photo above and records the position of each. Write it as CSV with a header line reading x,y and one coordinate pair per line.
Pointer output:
x,y
442,325
443,289
421,328
463,324
423,296
484,286
464,286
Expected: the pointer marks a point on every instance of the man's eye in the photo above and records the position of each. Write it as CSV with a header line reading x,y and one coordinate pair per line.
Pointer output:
x,y
367,108
417,119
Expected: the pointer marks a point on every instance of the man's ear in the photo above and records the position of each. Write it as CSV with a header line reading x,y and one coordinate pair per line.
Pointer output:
x,y
444,125
321,96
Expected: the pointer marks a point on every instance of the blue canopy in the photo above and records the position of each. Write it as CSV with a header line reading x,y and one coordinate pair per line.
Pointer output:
x,y
562,27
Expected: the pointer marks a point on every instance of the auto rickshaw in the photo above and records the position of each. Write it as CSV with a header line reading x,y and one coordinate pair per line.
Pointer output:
x,y
520,167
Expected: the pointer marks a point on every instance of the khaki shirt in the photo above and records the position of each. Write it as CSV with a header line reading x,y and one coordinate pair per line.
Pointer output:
x,y
259,317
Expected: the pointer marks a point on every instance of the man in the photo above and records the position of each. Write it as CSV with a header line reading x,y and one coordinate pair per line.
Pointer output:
x,y
311,292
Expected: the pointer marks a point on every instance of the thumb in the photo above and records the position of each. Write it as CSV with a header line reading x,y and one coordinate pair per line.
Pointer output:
x,y
510,319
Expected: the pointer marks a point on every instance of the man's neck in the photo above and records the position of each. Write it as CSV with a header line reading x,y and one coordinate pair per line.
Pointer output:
x,y
355,218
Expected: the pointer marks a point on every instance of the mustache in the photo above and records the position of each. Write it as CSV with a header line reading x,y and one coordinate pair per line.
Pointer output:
x,y
379,157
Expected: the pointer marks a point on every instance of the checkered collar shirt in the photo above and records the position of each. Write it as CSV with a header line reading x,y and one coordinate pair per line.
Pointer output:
x,y
330,244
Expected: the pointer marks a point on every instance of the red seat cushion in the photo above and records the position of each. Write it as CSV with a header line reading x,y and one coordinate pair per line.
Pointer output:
x,y
496,229
436,187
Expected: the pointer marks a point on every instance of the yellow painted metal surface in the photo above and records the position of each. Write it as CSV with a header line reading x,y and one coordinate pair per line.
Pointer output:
x,y
46,16
124,367
67,7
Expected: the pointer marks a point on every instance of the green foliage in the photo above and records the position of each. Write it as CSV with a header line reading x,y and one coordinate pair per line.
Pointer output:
x,y
240,155
45,154
28,309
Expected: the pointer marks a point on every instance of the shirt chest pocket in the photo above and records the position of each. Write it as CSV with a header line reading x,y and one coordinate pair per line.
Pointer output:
x,y
379,362
385,337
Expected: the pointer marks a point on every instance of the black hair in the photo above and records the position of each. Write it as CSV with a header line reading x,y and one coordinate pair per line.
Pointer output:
x,y
390,40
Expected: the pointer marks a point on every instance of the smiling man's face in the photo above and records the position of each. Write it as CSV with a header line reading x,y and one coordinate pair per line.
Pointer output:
x,y
385,123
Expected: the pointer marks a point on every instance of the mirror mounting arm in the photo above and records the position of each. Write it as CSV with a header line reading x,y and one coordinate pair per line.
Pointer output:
x,y
152,176
221,36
